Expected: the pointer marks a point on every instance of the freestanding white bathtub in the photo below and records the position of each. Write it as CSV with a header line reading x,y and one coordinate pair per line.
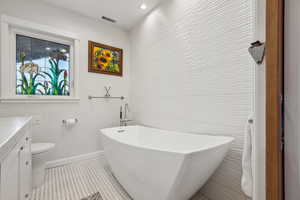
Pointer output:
x,y
153,164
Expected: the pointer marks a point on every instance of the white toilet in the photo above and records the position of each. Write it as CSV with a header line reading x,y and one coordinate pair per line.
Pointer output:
x,y
38,162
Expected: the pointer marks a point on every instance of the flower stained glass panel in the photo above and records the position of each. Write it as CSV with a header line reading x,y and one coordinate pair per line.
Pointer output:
x,y
42,67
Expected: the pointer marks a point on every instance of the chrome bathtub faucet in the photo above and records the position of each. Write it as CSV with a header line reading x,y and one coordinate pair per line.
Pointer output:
x,y
124,122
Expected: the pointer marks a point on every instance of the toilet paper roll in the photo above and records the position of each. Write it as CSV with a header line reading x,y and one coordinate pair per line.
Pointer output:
x,y
70,122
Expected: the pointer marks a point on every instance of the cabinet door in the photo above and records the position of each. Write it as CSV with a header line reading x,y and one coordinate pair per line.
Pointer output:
x,y
10,175
25,170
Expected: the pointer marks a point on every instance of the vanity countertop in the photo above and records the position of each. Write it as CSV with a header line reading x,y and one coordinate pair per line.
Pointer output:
x,y
10,132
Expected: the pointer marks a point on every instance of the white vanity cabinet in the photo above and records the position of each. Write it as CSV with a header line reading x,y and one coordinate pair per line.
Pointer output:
x,y
15,164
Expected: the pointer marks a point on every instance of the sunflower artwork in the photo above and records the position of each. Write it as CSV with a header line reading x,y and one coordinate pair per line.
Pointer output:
x,y
105,59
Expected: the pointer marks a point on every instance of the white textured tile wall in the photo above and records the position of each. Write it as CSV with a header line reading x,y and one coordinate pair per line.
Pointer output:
x,y
191,72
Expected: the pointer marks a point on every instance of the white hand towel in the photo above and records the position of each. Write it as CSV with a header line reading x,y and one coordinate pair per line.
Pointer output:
x,y
247,179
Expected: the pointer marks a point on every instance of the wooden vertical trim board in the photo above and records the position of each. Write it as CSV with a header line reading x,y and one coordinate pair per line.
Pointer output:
x,y
274,92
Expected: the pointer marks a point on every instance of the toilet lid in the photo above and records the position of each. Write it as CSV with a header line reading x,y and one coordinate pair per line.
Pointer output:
x,y
37,148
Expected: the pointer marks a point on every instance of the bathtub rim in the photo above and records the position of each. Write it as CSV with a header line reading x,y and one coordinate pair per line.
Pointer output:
x,y
182,152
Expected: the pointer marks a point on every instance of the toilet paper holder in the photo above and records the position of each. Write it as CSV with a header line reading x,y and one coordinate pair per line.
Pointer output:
x,y
66,120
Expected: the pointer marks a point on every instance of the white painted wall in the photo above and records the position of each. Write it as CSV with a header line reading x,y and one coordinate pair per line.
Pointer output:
x,y
292,93
92,115
191,72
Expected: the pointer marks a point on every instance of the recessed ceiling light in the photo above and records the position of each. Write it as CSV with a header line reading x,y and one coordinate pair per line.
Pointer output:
x,y
143,6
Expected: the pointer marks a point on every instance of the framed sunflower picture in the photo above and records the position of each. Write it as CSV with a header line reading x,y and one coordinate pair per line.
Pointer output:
x,y
105,59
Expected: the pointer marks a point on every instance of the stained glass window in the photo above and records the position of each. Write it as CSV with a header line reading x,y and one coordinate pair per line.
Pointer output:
x,y
42,67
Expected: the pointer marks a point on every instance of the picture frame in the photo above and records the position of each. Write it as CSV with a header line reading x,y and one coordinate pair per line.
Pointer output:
x,y
105,59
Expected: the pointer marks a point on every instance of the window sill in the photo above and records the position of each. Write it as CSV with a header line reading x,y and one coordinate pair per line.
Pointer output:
x,y
39,100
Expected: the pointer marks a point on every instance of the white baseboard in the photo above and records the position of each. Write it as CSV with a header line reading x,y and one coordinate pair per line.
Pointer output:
x,y
73,159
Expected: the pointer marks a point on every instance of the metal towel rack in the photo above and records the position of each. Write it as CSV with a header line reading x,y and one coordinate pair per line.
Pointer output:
x,y
106,97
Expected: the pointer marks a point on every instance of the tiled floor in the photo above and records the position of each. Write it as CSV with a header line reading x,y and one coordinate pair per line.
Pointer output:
x,y
79,180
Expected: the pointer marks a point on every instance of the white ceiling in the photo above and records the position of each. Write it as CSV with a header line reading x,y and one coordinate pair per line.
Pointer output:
x,y
126,12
